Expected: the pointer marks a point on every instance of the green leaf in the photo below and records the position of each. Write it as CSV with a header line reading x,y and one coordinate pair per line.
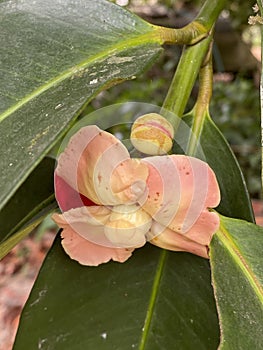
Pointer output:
x,y
235,200
145,303
12,241
34,196
237,273
55,56
214,149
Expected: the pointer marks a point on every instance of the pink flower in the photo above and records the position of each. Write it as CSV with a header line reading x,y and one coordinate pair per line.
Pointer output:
x,y
113,204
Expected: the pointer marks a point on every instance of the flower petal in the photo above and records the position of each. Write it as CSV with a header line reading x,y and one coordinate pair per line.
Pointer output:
x,y
67,197
91,165
174,241
88,222
84,251
181,189
203,229
128,181
128,226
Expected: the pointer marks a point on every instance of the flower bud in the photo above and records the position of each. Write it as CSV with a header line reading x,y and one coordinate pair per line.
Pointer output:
x,y
152,134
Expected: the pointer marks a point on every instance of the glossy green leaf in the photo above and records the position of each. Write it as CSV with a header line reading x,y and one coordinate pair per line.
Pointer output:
x,y
145,303
55,56
34,196
237,273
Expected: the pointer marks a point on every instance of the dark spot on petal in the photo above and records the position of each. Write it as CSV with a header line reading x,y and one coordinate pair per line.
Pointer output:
x,y
158,194
187,173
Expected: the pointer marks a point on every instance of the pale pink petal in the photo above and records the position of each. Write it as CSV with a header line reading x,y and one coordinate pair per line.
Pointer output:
x,y
174,241
203,229
180,189
128,181
88,222
164,189
123,226
86,252
88,163
77,165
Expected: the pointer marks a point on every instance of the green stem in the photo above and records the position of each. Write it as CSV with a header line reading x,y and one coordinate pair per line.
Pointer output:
x,y
197,29
188,35
191,60
260,5
210,12
183,81
201,108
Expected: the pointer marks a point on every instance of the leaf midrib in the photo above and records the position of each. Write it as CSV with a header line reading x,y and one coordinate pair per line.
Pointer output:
x,y
151,37
236,254
153,297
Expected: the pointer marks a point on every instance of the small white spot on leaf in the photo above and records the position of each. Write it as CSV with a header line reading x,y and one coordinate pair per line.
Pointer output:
x,y
58,106
94,81
118,60
41,343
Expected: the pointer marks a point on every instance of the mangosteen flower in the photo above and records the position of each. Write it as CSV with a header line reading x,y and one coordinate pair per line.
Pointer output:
x,y
112,204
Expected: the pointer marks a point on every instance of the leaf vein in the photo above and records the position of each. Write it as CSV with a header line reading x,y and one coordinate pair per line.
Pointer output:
x,y
226,239
154,294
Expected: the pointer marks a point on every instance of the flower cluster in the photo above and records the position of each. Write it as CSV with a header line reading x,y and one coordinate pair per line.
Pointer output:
x,y
113,204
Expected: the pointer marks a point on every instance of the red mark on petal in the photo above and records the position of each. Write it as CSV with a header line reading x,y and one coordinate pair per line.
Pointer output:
x,y
67,197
